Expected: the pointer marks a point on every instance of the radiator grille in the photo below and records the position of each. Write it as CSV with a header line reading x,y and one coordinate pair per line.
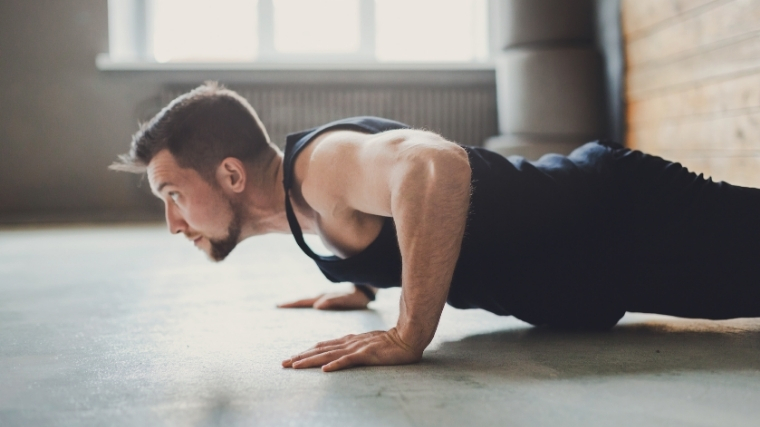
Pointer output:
x,y
463,114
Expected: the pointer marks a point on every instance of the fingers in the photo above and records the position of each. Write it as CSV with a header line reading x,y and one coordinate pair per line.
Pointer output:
x,y
327,303
346,361
346,343
321,359
350,301
302,303
308,353
371,348
331,358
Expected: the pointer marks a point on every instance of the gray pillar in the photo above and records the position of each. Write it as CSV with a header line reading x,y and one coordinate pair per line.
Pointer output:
x,y
549,77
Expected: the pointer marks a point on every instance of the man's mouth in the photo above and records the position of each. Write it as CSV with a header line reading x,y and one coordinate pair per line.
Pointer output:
x,y
197,240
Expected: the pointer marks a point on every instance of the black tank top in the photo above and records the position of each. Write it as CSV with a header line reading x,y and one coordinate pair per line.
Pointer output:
x,y
533,229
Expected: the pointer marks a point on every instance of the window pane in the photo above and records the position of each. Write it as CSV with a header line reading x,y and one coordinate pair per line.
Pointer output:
x,y
430,30
204,30
311,26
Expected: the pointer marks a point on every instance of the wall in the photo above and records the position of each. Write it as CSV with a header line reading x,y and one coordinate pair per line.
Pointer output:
x,y
62,121
693,84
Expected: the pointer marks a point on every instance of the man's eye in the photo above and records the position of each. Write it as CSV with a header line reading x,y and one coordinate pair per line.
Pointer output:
x,y
174,196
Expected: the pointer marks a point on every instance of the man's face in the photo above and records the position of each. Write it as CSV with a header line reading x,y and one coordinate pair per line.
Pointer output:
x,y
195,207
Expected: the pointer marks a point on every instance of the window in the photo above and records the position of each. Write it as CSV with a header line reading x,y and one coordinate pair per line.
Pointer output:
x,y
316,27
430,30
304,31
200,31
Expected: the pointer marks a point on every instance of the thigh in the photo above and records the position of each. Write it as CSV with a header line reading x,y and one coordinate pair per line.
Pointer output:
x,y
692,246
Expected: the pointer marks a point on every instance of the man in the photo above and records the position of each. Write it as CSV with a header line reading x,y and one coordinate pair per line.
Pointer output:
x,y
570,242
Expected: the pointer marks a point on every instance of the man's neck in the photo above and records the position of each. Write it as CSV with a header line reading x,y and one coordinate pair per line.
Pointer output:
x,y
264,210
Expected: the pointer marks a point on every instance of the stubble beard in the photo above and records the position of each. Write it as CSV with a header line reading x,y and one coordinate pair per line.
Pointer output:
x,y
220,248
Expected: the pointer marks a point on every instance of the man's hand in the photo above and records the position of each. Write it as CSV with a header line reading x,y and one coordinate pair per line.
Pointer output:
x,y
371,348
333,301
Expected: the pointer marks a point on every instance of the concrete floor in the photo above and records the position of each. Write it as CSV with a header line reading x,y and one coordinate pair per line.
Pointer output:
x,y
131,326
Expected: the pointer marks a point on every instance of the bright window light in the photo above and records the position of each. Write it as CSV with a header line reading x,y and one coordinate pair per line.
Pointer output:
x,y
204,30
430,30
311,26
311,30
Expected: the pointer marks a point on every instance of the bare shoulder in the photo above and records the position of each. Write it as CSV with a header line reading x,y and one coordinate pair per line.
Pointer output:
x,y
332,164
349,169
358,149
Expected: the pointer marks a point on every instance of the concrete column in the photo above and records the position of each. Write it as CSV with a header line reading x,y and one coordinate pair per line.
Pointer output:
x,y
549,77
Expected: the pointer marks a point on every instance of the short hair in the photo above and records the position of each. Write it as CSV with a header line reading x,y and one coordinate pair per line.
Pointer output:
x,y
200,129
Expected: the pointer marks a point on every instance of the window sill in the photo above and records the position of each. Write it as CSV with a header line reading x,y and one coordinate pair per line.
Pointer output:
x,y
105,63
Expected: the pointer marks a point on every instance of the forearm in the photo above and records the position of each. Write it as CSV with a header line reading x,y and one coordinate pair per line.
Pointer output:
x,y
430,210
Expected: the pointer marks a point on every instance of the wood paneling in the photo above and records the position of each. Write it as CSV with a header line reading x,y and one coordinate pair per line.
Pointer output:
x,y
735,134
718,25
723,62
641,16
693,84
734,93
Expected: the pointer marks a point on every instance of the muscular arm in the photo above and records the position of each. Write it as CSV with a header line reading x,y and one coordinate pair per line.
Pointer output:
x,y
423,182
429,201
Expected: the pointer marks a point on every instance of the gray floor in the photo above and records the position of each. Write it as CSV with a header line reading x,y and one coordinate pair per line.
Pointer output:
x,y
132,326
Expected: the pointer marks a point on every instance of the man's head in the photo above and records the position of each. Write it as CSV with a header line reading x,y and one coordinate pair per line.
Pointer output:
x,y
199,153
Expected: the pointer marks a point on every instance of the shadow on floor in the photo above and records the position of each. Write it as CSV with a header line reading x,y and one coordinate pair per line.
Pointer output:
x,y
640,348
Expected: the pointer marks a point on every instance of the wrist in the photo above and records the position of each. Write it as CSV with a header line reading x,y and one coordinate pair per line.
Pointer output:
x,y
415,337
367,290
408,347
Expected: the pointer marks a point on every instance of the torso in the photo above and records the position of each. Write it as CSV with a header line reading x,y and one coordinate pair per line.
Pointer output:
x,y
541,236
343,230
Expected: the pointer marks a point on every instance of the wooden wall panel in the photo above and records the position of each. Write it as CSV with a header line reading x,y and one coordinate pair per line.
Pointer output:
x,y
718,25
707,99
735,134
724,62
640,16
693,84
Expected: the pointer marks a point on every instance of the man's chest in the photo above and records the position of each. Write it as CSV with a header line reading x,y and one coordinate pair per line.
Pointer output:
x,y
348,233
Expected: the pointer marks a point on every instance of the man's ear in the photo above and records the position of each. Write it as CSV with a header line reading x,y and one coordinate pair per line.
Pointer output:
x,y
231,175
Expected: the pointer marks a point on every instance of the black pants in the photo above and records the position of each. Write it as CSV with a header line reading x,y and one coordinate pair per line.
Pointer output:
x,y
691,246
668,241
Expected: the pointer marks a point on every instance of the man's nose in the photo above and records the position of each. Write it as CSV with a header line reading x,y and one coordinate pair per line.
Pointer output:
x,y
174,220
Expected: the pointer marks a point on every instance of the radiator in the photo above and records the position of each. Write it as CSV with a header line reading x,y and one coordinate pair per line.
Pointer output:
x,y
464,114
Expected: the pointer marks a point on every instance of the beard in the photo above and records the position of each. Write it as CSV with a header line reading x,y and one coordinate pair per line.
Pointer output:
x,y
220,248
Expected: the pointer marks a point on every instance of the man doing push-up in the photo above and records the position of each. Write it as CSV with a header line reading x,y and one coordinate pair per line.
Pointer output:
x,y
566,241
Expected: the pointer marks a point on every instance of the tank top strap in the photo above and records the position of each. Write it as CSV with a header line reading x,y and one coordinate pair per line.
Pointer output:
x,y
295,228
